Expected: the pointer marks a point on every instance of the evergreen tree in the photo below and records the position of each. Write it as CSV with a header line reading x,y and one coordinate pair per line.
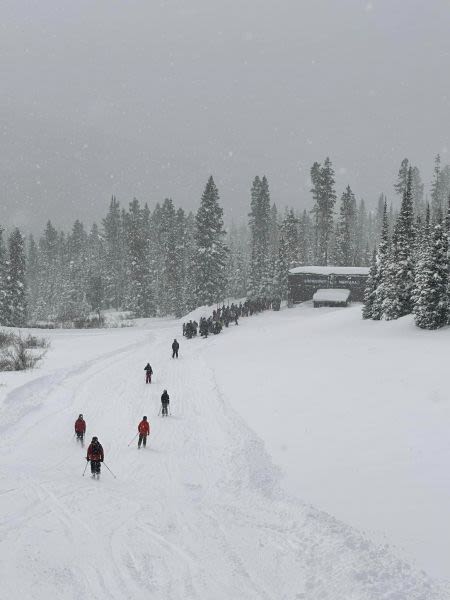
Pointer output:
x,y
400,272
382,264
402,178
289,230
306,237
371,289
115,255
417,188
16,309
346,230
139,297
431,307
211,251
280,286
259,224
324,196
437,191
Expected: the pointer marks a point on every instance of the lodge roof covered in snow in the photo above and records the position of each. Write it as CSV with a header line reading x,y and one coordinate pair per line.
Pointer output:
x,y
331,295
331,270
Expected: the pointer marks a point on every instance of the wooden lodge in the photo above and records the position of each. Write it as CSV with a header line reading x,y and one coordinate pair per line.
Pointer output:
x,y
304,282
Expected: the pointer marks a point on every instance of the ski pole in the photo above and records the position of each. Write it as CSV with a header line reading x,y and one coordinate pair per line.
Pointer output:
x,y
110,470
159,411
133,439
85,467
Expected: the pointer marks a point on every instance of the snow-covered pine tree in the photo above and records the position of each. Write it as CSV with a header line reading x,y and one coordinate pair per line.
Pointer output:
x,y
237,266
399,277
259,225
33,277
371,288
417,189
382,263
167,236
115,255
306,237
361,236
16,299
289,233
280,284
431,308
437,192
190,247
211,251
324,197
402,178
52,275
346,230
139,298
179,303
75,306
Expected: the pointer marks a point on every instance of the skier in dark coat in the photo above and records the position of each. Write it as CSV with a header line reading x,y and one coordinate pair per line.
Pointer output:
x,y
175,346
80,427
149,373
95,455
164,403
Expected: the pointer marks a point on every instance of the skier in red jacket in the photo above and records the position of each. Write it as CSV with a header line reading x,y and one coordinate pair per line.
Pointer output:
x,y
144,431
95,455
80,427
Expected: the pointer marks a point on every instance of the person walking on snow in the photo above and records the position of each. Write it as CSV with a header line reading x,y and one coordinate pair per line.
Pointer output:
x,y
80,427
148,373
95,455
164,403
175,346
144,431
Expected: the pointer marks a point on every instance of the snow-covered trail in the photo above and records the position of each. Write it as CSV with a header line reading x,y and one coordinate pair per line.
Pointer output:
x,y
196,515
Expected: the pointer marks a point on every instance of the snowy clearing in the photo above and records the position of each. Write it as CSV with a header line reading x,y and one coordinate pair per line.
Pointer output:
x,y
200,513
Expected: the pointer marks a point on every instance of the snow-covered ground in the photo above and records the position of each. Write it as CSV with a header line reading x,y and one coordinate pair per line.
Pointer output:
x,y
336,411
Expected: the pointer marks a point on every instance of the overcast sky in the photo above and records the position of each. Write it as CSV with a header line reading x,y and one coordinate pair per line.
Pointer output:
x,y
147,98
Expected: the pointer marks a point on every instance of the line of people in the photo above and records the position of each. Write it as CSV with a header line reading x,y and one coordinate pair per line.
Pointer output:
x,y
95,453
223,316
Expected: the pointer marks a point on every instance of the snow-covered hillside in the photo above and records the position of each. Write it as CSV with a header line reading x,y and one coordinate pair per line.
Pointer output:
x,y
201,512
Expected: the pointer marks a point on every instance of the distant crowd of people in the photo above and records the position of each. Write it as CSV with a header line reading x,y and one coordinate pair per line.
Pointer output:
x,y
223,316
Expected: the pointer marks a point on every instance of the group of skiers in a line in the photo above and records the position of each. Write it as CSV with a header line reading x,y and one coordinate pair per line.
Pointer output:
x,y
95,454
223,316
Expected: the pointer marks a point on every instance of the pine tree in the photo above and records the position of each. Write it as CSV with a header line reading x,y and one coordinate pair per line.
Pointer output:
x,y
16,310
402,178
324,197
399,278
280,286
371,289
289,229
211,251
346,230
115,255
417,189
259,224
437,192
139,298
431,307
382,264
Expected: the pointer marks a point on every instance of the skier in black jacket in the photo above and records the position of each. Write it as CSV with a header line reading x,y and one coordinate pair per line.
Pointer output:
x,y
175,346
164,403
148,373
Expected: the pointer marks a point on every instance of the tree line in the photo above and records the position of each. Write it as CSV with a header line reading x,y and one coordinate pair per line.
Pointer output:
x,y
166,261
409,272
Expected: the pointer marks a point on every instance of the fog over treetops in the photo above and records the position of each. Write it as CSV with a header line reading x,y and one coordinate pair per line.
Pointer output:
x,y
147,99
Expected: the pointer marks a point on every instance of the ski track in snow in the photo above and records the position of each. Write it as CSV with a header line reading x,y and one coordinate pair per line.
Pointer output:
x,y
198,514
